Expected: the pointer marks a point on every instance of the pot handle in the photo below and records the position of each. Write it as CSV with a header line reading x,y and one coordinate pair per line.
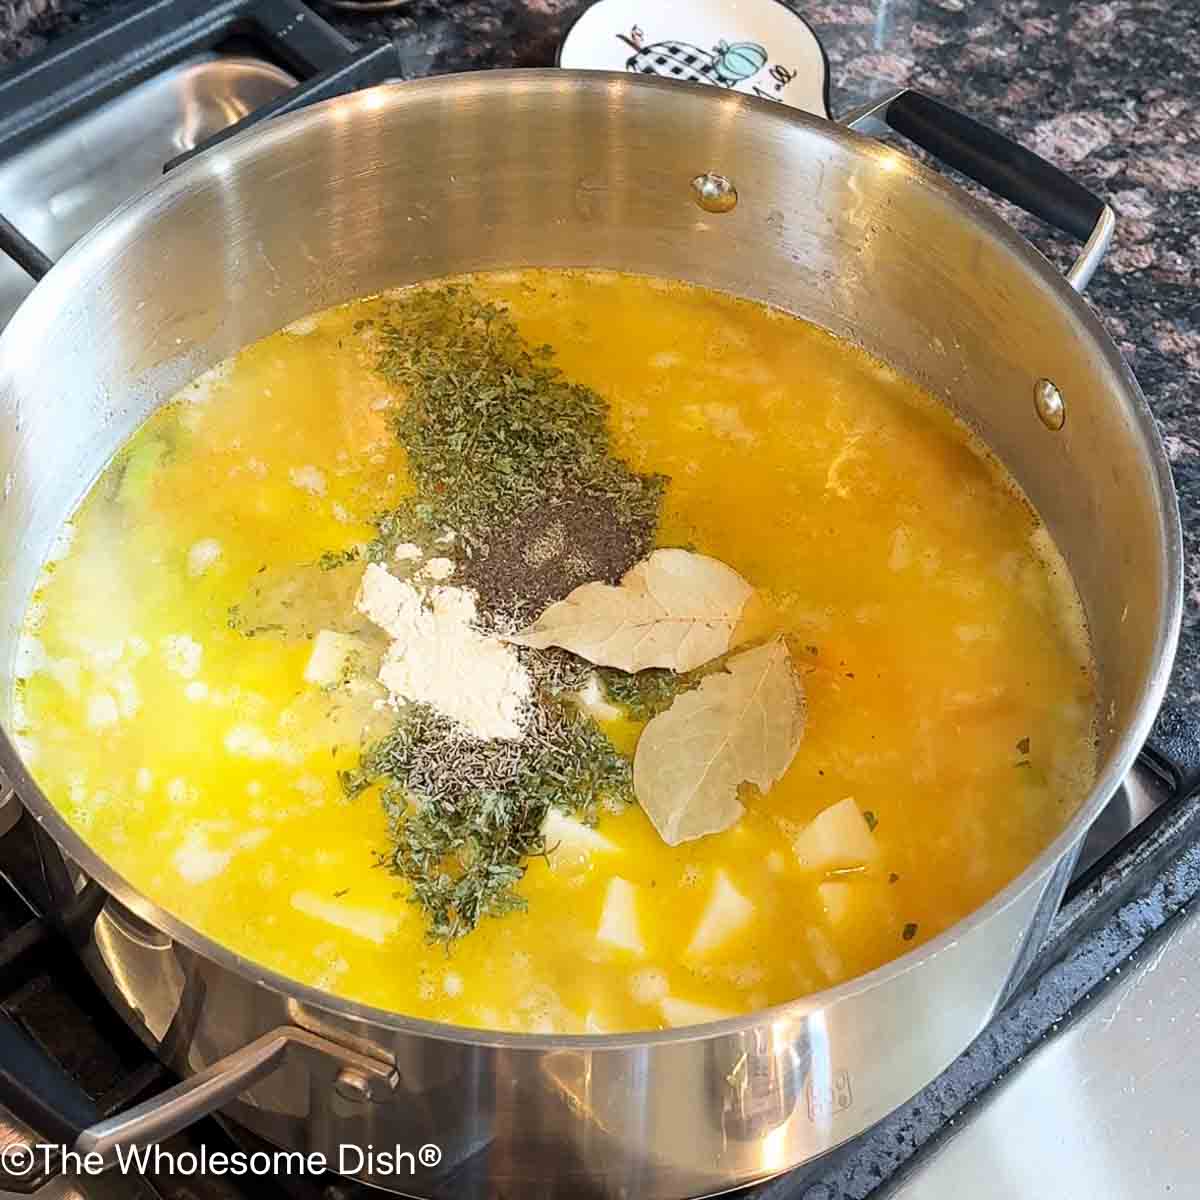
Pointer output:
x,y
45,1098
999,164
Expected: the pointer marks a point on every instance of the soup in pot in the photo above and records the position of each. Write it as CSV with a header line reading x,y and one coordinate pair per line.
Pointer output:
x,y
559,651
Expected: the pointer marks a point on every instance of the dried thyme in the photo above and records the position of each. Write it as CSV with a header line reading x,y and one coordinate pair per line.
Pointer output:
x,y
467,814
330,560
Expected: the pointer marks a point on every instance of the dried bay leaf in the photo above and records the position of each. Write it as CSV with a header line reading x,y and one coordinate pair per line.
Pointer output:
x,y
741,725
674,609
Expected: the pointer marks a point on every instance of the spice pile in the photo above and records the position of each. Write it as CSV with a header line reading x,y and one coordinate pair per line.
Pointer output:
x,y
515,477
549,551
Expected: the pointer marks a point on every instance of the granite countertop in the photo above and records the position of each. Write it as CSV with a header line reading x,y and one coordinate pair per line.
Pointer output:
x,y
1105,88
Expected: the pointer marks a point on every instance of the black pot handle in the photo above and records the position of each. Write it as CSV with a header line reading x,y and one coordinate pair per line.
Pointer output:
x,y
15,245
999,164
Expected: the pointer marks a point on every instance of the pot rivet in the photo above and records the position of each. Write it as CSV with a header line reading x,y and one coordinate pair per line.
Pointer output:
x,y
1051,409
352,1084
714,193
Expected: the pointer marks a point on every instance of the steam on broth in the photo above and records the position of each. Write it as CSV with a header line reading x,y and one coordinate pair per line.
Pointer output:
x,y
270,674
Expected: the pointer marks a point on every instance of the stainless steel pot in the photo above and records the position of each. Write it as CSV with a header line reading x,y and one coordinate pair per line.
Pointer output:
x,y
555,168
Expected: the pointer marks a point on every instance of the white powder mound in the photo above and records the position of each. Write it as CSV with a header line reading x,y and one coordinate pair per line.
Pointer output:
x,y
438,656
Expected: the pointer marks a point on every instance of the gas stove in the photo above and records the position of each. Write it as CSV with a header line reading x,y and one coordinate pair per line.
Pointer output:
x,y
1080,1053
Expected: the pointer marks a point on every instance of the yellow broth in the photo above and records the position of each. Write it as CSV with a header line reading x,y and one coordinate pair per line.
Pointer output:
x,y
938,635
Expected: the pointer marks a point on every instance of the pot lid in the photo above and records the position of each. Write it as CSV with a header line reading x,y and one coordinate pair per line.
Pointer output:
x,y
759,47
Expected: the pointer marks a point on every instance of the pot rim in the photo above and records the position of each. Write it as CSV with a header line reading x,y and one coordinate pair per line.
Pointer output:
x,y
543,83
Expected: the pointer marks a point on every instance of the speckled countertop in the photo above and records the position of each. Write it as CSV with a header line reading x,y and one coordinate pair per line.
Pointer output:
x,y
1106,89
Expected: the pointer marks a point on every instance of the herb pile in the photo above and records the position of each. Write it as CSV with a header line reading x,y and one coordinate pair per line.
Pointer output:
x,y
512,467
514,459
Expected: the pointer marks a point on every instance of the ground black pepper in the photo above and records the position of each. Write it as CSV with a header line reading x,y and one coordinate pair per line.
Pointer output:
x,y
549,551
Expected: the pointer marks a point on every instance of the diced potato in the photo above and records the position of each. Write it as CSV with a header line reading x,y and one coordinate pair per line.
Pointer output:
x,y
298,601
837,837
618,919
727,911
684,1012
571,841
346,717
367,923
333,655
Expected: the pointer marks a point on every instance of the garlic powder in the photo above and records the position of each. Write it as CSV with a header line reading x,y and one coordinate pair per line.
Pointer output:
x,y
439,657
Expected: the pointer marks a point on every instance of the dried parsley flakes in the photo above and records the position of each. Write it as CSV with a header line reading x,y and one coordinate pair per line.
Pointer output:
x,y
491,428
